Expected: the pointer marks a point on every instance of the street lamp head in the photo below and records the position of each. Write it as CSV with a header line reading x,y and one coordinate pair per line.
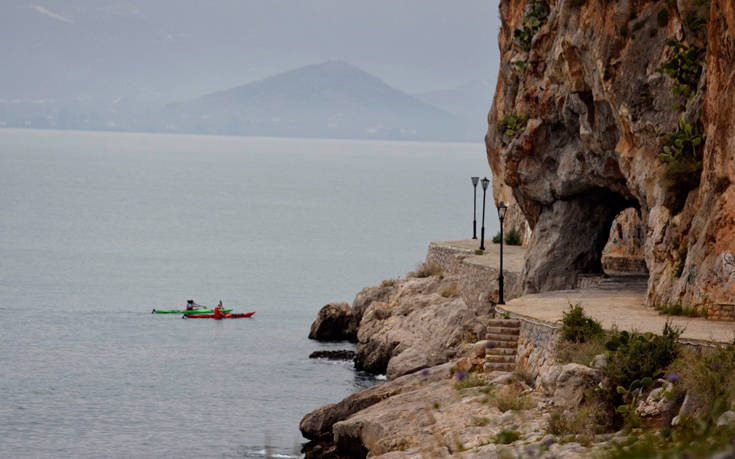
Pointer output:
x,y
475,180
502,208
485,183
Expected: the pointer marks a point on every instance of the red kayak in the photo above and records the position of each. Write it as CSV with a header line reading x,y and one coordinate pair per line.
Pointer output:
x,y
223,316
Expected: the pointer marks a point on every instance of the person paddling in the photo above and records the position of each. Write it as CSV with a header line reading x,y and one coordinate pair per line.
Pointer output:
x,y
189,305
218,310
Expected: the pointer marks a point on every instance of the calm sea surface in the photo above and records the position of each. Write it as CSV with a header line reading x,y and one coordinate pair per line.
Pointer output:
x,y
97,229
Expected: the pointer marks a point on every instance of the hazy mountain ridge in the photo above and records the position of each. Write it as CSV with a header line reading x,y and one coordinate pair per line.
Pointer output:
x,y
331,99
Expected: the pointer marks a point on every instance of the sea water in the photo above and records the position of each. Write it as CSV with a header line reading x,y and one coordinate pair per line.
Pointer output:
x,y
97,229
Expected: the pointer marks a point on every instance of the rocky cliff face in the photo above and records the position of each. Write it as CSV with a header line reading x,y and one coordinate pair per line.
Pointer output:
x,y
590,94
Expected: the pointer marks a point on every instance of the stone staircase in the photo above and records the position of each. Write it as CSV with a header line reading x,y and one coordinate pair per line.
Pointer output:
x,y
502,336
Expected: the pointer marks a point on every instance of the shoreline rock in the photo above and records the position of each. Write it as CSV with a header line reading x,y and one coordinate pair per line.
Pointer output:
x,y
341,354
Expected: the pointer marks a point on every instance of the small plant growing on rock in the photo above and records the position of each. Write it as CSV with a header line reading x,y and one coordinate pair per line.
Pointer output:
x,y
520,64
662,18
532,21
683,156
450,291
577,327
496,238
685,67
677,309
467,380
513,237
507,436
510,397
513,123
427,270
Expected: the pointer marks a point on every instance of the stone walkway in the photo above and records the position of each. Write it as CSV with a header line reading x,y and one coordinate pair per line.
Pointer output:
x,y
617,302
513,255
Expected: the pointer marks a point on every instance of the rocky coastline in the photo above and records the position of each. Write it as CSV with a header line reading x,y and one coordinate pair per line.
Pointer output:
x,y
453,388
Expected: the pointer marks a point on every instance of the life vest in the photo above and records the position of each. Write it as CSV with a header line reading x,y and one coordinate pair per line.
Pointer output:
x,y
217,314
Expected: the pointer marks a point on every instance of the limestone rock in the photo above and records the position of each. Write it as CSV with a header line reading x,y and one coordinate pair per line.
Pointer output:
x,y
596,105
726,419
332,323
415,328
658,403
571,383
319,422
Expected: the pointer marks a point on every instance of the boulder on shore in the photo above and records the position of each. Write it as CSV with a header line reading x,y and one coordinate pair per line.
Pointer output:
x,y
332,323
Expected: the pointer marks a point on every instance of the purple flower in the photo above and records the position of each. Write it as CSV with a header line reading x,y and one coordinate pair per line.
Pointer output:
x,y
425,372
548,442
489,345
530,451
460,375
672,378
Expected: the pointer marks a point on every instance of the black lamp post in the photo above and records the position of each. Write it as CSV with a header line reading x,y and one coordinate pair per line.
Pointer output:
x,y
485,182
474,207
502,208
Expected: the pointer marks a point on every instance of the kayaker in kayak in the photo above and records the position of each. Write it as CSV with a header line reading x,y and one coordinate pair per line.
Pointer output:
x,y
218,310
189,305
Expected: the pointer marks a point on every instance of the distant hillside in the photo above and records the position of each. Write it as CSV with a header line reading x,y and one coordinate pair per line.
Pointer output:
x,y
332,99
470,102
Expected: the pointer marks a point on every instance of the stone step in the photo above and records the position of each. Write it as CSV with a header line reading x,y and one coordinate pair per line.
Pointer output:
x,y
515,323
491,366
501,337
500,358
504,330
500,351
505,344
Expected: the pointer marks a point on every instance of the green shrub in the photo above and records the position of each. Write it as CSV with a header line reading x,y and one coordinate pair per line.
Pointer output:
x,y
662,17
581,353
520,64
633,360
479,252
531,22
513,237
695,22
624,30
513,123
710,375
507,436
685,67
577,327
683,156
677,309
496,238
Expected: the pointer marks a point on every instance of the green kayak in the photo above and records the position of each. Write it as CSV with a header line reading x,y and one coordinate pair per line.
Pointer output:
x,y
186,311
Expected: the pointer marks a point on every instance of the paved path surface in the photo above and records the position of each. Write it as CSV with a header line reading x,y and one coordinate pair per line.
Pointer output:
x,y
619,302
513,255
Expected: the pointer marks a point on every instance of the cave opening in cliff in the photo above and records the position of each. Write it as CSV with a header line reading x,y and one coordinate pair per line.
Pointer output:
x,y
623,252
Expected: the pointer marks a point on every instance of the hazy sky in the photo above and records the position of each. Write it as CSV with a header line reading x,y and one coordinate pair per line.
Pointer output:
x,y
173,49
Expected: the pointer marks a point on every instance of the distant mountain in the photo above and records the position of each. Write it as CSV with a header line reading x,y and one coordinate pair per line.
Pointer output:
x,y
470,102
333,100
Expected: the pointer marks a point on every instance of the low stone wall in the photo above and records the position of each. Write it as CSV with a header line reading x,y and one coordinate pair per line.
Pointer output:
x,y
721,312
614,264
478,283
449,259
536,346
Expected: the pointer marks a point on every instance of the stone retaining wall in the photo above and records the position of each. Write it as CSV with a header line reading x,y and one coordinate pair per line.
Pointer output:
x,y
478,284
536,346
721,312
615,264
